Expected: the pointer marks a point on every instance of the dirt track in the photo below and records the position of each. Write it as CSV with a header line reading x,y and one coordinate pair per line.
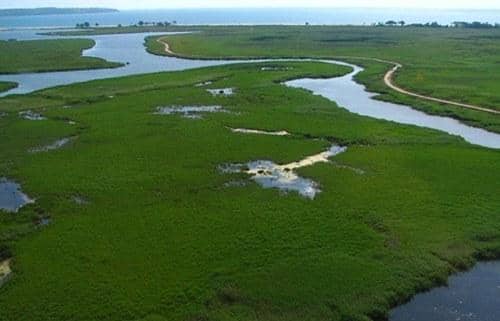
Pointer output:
x,y
388,80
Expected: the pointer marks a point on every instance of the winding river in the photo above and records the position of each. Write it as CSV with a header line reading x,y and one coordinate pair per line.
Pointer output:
x,y
129,49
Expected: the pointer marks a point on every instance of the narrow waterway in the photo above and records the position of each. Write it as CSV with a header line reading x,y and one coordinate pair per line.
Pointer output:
x,y
125,48
347,93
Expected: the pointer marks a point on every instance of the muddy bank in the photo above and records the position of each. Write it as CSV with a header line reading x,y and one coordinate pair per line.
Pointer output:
x,y
5,271
203,84
193,112
259,132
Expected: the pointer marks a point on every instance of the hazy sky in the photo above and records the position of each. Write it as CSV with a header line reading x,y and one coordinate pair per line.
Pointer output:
x,y
151,4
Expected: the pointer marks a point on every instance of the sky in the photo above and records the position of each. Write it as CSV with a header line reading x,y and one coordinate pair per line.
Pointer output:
x,y
153,4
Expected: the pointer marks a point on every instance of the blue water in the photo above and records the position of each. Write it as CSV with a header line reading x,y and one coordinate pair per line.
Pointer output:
x,y
335,16
469,296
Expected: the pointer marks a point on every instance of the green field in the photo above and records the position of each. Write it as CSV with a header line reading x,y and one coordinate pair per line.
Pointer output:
x,y
48,55
450,63
163,238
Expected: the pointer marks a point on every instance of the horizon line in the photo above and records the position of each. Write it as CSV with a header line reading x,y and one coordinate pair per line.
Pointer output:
x,y
256,7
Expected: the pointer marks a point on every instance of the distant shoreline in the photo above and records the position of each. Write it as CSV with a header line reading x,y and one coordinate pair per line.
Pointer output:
x,y
52,11
222,17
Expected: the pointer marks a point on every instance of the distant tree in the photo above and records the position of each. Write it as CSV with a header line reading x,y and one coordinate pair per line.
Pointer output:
x,y
474,25
119,25
141,23
174,22
86,24
307,23
402,23
160,24
391,23
96,24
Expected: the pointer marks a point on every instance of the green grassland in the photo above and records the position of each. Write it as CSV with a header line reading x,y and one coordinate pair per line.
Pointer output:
x,y
163,238
48,55
451,63
7,85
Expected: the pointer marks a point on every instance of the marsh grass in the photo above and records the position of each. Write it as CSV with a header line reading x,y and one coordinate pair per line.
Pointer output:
x,y
48,55
163,238
449,63
7,85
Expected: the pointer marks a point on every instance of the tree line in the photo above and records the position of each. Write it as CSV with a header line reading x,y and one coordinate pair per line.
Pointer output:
x,y
86,25
456,24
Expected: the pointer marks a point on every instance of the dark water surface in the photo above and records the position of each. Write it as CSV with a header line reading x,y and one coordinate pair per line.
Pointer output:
x,y
470,296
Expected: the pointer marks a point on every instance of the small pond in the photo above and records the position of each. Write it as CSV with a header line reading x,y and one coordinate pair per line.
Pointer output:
x,y
11,196
221,91
30,115
283,177
194,112
53,146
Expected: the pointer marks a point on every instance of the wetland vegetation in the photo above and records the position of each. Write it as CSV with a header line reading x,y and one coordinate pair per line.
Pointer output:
x,y
48,55
167,237
458,64
7,85
145,226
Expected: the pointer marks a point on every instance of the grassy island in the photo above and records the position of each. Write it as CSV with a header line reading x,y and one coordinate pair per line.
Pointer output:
x,y
48,55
